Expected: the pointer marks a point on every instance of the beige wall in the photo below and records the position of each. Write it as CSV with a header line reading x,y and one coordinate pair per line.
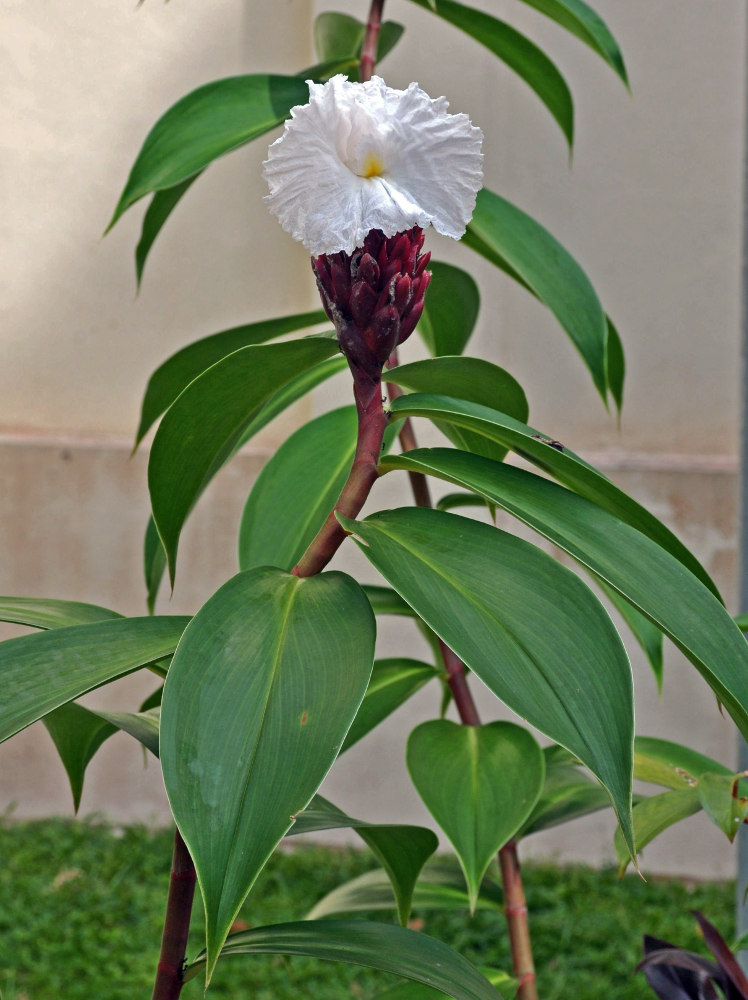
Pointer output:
x,y
651,208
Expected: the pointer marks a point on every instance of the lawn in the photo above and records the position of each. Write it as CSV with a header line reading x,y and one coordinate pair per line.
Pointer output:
x,y
81,908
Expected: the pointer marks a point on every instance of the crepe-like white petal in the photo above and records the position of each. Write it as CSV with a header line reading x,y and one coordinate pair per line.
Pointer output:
x,y
359,157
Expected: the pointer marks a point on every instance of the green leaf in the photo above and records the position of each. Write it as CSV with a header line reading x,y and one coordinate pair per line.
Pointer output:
x,y
340,36
525,250
205,124
142,726
453,501
416,991
480,784
653,815
162,205
378,946
742,622
518,52
386,601
582,21
203,427
567,794
296,490
47,613
642,572
77,734
175,374
527,626
281,665
662,762
450,309
718,794
471,379
646,634
615,363
555,459
49,669
154,563
439,888
393,681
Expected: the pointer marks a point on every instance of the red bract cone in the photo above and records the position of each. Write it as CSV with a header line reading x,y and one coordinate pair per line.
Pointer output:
x,y
374,297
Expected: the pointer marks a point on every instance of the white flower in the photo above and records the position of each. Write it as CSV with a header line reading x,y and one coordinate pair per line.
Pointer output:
x,y
362,156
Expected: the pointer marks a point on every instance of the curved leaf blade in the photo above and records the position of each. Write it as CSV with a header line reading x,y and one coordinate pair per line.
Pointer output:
x,y
143,726
339,37
642,572
402,851
48,613
378,946
654,815
480,783
205,124
662,762
77,734
203,427
393,681
162,205
311,467
281,665
49,669
518,52
450,310
567,794
528,627
386,601
513,241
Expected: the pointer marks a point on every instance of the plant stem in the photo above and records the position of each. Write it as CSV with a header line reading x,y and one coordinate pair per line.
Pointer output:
x,y
371,40
169,982
372,421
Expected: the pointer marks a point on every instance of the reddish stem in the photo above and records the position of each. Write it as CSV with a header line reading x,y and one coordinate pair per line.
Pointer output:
x,y
169,981
371,40
372,421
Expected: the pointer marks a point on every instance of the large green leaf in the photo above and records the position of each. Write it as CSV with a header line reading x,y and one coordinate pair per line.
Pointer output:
x,y
142,726
643,572
450,309
386,947
296,490
648,636
258,699
582,21
49,669
518,52
655,814
205,124
176,373
528,627
524,249
471,379
555,459
662,762
77,735
393,681
48,613
202,428
479,783
386,601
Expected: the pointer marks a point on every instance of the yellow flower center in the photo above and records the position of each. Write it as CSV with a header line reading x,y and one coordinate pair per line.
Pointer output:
x,y
373,166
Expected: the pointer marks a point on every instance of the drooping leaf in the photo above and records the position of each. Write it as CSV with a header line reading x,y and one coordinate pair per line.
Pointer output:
x,y
202,428
517,244
718,794
176,373
77,734
296,490
387,947
675,974
143,726
281,665
154,563
615,364
450,310
662,762
49,669
655,814
471,379
567,794
586,24
557,460
386,601
206,124
393,681
643,572
519,53
480,784
453,501
527,626
48,613
162,205
648,636
727,962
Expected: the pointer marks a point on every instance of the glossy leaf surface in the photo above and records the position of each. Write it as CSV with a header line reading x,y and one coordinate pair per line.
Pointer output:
x,y
296,490
47,613
643,572
519,53
176,373
525,625
281,666
586,24
202,428
555,459
450,310
654,815
517,244
77,735
49,669
393,681
386,947
479,783
205,124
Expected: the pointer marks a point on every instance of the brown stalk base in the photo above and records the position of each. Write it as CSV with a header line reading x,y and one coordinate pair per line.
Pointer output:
x,y
169,982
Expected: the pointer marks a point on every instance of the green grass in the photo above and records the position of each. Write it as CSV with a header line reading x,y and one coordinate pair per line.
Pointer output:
x,y
81,909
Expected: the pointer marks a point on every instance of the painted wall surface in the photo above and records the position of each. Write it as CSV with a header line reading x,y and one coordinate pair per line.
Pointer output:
x,y
651,207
